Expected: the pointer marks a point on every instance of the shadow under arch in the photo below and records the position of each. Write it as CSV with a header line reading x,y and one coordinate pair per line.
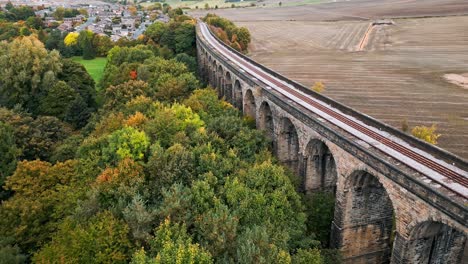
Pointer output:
x,y
265,121
220,81
228,87
288,145
237,95
249,104
431,242
319,171
363,220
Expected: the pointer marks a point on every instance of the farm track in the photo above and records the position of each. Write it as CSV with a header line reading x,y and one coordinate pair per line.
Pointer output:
x,y
397,77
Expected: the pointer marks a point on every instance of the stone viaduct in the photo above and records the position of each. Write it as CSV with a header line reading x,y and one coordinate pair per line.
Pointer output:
x,y
385,211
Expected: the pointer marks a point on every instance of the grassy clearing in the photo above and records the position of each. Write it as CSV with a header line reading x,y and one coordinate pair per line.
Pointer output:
x,y
94,67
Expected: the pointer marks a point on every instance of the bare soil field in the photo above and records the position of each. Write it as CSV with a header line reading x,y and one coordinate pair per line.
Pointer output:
x,y
332,10
398,75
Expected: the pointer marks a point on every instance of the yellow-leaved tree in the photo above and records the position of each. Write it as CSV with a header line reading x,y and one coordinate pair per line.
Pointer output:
x,y
71,39
427,134
318,87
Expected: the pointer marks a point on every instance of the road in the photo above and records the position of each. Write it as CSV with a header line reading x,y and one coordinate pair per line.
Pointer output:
x,y
86,24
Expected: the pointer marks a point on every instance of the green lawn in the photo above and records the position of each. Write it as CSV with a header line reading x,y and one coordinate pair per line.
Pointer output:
x,y
94,67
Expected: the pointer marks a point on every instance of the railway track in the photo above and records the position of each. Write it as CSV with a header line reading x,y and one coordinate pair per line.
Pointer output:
x,y
446,175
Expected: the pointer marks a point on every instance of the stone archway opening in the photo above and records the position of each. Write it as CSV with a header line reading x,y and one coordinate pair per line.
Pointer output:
x,y
213,73
265,120
237,95
363,220
319,168
288,145
319,178
249,105
228,87
220,81
434,242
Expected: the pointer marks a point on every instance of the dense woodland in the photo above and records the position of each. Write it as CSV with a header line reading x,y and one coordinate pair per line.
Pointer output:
x,y
147,166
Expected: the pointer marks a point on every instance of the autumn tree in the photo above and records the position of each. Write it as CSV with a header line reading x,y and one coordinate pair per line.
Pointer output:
x,y
27,70
171,244
101,239
318,87
43,195
71,39
427,134
116,96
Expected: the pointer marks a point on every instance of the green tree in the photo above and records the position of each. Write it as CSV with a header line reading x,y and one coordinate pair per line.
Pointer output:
x,y
320,209
85,40
189,61
10,253
26,64
172,244
34,22
101,239
58,100
309,256
170,88
184,36
116,96
126,143
8,155
157,32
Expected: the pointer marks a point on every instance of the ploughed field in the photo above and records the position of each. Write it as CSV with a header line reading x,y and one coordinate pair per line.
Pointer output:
x,y
393,74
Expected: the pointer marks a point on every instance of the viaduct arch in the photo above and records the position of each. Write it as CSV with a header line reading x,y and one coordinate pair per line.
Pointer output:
x,y
385,211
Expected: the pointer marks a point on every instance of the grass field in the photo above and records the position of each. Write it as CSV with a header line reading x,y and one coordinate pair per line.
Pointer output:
x,y
94,67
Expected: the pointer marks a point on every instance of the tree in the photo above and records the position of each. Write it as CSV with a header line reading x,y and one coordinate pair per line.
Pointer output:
x,y
116,96
8,155
9,6
168,123
320,209
34,22
318,87
59,13
101,239
184,36
309,256
170,88
427,134
43,195
156,31
58,100
189,61
11,253
85,40
47,132
272,203
103,44
27,67
171,244
126,143
116,187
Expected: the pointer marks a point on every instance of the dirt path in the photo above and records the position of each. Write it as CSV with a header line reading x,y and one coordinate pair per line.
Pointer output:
x,y
365,38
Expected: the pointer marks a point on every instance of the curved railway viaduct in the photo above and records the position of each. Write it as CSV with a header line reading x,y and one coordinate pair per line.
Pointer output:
x,y
398,199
